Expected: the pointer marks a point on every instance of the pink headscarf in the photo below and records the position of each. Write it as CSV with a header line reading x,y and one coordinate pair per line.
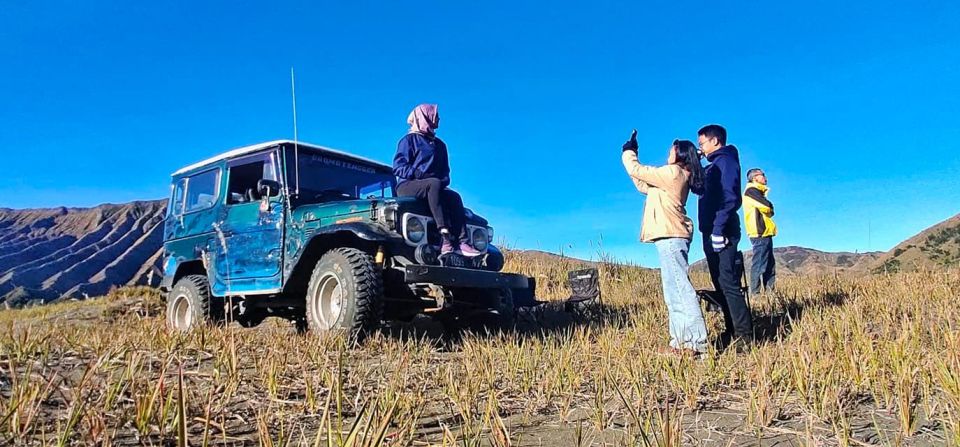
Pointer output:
x,y
424,119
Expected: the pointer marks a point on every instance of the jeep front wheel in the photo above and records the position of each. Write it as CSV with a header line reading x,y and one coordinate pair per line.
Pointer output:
x,y
190,304
345,293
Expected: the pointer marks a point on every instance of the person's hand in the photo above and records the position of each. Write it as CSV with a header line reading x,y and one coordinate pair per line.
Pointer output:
x,y
719,242
631,144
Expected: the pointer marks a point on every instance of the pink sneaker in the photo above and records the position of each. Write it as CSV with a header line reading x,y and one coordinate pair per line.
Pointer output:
x,y
468,250
447,247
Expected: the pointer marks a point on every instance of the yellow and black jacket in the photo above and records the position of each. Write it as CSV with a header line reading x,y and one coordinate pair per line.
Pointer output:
x,y
758,211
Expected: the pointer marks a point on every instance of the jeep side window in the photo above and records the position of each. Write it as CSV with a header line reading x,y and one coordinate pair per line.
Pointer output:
x,y
175,206
244,175
202,190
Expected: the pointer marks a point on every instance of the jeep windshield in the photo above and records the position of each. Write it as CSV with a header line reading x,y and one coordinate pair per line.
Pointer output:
x,y
329,178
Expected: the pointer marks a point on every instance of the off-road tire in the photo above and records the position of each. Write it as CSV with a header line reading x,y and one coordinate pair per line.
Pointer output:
x,y
190,304
360,307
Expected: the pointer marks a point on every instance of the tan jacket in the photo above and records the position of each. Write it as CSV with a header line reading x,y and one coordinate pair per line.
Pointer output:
x,y
666,187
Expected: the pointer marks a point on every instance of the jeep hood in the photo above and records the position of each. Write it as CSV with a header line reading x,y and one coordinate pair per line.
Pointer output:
x,y
330,212
418,206
335,210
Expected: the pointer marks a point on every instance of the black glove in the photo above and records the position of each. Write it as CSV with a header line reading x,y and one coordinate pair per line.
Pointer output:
x,y
631,144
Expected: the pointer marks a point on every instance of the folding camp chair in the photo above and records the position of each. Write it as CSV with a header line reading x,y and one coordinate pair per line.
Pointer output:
x,y
585,285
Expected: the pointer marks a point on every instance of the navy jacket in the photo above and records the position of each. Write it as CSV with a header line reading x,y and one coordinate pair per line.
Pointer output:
x,y
720,197
419,157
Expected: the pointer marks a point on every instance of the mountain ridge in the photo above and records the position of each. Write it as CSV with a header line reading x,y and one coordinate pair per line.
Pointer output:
x,y
796,260
935,247
75,252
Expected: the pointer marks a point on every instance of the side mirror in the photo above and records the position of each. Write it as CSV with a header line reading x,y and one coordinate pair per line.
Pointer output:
x,y
268,188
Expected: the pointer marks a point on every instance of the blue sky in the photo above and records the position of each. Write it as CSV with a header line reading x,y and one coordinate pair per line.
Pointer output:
x,y
851,107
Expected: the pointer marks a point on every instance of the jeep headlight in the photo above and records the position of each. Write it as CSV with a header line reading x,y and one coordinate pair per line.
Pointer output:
x,y
415,229
480,239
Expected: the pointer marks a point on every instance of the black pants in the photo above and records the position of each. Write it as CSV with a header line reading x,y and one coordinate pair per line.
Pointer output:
x,y
726,267
445,204
763,270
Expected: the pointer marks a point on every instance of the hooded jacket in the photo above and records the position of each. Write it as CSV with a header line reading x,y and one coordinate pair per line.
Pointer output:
x,y
666,187
720,197
758,211
419,157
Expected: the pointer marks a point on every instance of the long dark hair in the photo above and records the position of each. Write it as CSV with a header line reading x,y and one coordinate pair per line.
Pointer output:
x,y
689,157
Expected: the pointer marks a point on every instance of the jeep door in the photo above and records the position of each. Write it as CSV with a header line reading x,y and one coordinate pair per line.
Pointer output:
x,y
252,227
191,213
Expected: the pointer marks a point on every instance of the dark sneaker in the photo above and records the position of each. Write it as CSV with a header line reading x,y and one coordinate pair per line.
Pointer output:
x,y
741,345
468,250
722,341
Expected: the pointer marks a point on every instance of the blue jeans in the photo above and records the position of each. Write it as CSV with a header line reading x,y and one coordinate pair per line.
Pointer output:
x,y
687,329
763,269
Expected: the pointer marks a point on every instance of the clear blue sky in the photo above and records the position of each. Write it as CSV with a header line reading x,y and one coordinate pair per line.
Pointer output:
x,y
851,107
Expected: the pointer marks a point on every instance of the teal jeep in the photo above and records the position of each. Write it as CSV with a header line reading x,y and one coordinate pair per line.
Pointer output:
x,y
317,236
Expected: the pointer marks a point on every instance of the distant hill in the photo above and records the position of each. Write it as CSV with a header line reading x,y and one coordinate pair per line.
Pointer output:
x,y
792,260
935,247
546,256
51,253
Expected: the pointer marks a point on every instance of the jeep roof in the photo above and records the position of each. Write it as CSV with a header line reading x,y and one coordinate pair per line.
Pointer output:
x,y
256,147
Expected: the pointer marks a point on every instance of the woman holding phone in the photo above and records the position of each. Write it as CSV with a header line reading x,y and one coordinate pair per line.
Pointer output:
x,y
667,226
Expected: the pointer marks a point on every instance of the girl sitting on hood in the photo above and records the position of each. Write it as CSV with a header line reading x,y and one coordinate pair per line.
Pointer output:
x,y
422,168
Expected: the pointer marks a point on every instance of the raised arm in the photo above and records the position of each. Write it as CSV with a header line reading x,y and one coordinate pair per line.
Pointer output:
x,y
641,186
661,177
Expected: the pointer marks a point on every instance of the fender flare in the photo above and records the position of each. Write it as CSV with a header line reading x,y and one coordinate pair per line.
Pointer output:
x,y
362,231
367,232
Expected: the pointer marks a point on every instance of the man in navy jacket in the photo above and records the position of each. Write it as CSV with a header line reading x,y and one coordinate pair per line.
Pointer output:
x,y
720,226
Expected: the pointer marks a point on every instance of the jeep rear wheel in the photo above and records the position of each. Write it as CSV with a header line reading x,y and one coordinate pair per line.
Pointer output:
x,y
345,293
190,304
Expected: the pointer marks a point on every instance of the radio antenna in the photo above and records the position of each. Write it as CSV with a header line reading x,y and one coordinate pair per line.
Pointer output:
x,y
296,148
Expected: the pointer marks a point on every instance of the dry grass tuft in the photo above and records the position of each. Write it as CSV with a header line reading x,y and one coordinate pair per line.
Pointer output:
x,y
845,361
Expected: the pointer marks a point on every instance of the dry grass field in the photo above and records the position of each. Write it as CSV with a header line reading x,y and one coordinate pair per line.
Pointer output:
x,y
870,360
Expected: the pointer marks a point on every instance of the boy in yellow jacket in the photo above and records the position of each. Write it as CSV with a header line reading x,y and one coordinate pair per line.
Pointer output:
x,y
758,217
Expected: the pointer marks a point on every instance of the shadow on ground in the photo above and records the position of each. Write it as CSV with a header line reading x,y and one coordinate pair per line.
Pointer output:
x,y
771,326
538,321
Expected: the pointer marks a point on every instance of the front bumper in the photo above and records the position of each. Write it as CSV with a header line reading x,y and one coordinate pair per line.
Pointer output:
x,y
461,277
